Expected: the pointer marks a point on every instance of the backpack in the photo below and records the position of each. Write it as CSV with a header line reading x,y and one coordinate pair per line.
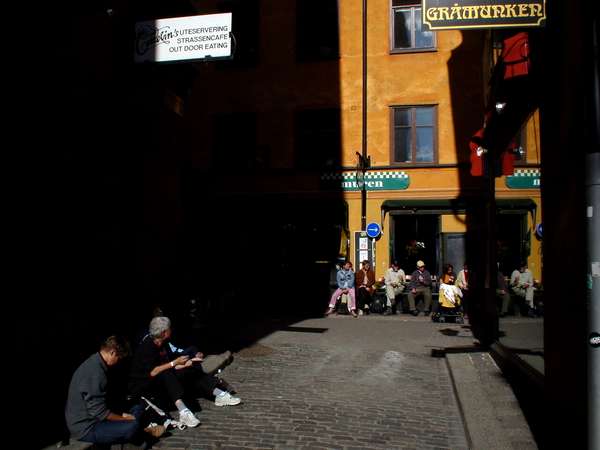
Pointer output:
x,y
378,304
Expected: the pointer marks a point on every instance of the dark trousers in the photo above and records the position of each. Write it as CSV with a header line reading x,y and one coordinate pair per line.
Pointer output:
x,y
191,381
363,297
108,432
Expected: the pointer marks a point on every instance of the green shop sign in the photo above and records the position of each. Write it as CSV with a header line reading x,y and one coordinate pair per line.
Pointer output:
x,y
374,181
452,14
524,179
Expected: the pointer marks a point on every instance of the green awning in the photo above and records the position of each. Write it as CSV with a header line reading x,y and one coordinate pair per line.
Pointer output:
x,y
456,205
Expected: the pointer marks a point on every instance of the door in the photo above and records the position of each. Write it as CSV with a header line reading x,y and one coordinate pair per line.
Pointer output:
x,y
453,250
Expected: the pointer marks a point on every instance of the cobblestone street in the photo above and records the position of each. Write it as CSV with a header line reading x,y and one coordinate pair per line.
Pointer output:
x,y
338,383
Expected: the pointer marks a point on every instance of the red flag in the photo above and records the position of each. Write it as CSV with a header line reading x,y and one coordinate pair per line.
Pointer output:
x,y
476,156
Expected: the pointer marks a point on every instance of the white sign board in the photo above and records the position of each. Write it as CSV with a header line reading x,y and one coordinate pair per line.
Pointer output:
x,y
183,38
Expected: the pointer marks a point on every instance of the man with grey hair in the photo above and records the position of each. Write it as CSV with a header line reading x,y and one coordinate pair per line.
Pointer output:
x,y
156,369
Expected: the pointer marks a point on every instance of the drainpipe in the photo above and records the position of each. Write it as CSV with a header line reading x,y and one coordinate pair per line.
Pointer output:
x,y
592,191
364,157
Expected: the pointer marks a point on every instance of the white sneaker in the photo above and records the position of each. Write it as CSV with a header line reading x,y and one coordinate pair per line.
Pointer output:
x,y
226,399
188,418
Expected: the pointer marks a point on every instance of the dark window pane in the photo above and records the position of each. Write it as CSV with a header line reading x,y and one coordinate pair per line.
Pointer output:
x,y
402,27
401,117
424,144
402,145
424,116
318,138
234,140
423,38
245,28
317,30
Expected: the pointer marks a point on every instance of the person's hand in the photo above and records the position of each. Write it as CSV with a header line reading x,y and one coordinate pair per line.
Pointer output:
x,y
199,355
128,416
180,360
189,363
414,291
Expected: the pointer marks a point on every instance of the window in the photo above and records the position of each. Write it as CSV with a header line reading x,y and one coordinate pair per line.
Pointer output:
x,y
406,27
317,138
317,37
235,141
245,27
413,136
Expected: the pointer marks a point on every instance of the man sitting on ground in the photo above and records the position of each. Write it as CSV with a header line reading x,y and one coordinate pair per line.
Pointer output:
x,y
87,415
156,370
395,280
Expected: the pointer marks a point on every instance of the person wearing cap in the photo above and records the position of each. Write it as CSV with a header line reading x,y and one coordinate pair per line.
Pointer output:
x,y
365,278
395,280
420,284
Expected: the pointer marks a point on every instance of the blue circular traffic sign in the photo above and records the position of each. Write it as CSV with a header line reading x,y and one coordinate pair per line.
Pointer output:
x,y
373,230
539,231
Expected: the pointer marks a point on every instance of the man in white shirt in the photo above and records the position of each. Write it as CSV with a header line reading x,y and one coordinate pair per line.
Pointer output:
x,y
395,280
521,283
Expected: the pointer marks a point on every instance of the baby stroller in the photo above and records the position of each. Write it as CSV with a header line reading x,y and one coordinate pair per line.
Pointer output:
x,y
450,309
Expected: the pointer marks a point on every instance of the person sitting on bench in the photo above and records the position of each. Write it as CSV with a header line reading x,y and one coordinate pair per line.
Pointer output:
x,y
420,284
395,280
521,282
345,282
365,278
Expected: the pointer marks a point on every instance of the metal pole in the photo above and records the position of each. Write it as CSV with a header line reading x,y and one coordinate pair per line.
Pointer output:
x,y
489,316
592,191
363,191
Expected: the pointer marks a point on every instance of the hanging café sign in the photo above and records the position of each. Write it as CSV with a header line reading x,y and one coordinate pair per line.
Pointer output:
x,y
453,14
183,38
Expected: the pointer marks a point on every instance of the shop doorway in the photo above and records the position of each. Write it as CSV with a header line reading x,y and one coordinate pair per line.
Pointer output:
x,y
513,239
415,237
454,250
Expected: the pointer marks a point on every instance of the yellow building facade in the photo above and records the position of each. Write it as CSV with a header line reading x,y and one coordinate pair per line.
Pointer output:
x,y
299,128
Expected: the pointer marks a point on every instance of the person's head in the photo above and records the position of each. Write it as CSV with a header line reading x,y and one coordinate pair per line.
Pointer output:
x,y
420,265
366,264
465,267
160,328
395,265
347,265
449,268
450,279
523,266
114,349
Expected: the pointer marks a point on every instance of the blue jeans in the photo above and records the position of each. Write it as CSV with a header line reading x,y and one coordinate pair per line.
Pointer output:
x,y
110,432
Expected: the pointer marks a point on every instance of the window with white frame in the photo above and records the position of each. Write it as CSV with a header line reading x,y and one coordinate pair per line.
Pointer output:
x,y
407,32
413,134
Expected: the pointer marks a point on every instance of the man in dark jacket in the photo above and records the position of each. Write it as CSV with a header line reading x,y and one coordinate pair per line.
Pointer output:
x,y
420,284
365,278
87,415
156,370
